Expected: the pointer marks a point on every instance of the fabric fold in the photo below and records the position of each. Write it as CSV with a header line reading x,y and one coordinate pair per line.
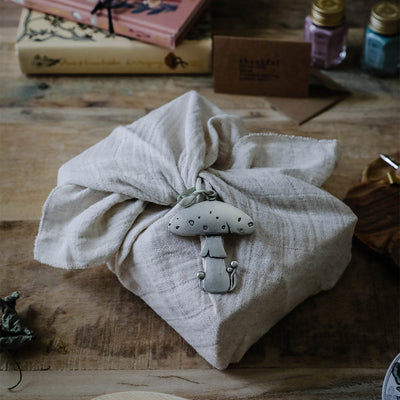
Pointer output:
x,y
113,202
307,159
82,228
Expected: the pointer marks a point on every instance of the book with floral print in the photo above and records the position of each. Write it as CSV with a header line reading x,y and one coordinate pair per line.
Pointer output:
x,y
162,22
47,44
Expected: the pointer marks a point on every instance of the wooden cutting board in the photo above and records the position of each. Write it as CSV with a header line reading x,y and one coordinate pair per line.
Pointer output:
x,y
377,205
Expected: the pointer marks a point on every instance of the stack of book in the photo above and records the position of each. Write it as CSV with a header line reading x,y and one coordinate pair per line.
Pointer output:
x,y
52,41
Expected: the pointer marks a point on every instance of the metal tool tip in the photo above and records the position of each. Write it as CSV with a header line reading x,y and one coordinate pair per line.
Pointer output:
x,y
389,161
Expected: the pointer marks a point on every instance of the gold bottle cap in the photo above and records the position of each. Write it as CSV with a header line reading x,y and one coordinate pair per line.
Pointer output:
x,y
385,18
328,13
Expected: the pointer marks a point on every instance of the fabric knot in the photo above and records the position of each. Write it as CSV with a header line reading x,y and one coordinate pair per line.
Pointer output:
x,y
189,196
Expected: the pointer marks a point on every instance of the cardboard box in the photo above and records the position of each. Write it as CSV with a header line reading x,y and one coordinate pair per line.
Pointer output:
x,y
261,67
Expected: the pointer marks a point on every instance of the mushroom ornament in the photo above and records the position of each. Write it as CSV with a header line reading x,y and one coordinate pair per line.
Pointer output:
x,y
212,219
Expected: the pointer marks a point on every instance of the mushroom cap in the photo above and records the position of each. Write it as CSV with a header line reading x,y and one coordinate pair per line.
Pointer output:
x,y
210,218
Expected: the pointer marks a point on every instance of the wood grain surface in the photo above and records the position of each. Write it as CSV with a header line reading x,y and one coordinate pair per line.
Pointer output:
x,y
254,384
95,337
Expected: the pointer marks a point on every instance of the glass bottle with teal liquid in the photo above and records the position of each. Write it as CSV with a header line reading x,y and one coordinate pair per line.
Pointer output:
x,y
381,55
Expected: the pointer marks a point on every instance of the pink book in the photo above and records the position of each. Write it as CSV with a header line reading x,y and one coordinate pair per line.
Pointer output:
x,y
162,22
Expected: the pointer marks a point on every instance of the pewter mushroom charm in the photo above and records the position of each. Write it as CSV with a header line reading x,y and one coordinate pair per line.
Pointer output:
x,y
212,219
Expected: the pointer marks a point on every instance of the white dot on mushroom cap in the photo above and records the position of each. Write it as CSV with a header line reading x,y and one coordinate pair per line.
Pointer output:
x,y
205,227
191,222
250,224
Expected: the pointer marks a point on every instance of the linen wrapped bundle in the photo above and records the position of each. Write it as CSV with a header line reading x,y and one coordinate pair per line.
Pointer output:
x,y
113,202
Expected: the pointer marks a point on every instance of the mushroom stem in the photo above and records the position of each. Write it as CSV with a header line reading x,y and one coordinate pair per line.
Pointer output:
x,y
213,247
216,278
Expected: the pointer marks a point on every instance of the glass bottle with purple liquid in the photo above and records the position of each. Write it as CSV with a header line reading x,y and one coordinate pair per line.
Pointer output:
x,y
326,29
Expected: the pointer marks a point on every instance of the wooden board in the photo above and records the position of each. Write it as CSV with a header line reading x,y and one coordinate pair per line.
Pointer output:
x,y
254,384
85,319
37,140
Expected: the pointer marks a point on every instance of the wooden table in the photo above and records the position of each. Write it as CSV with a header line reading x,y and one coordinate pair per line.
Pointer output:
x,y
95,337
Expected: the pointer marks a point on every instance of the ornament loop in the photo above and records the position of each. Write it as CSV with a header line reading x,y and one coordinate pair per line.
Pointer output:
x,y
188,196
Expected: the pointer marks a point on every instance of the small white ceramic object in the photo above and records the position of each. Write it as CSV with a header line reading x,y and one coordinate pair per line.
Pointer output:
x,y
136,395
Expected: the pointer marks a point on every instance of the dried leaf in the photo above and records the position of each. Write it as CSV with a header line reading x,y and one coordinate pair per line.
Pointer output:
x,y
13,334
